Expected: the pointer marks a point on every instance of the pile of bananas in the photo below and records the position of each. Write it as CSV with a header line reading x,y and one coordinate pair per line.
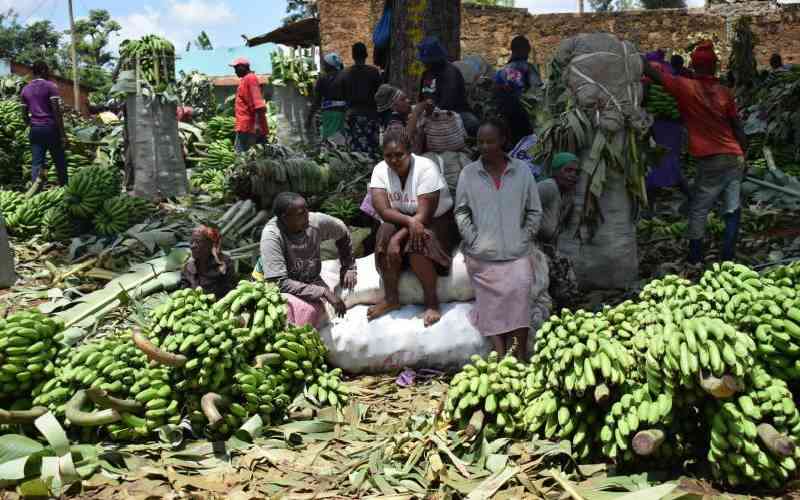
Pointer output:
x,y
27,218
329,388
119,213
220,128
754,437
661,104
28,345
259,308
550,416
220,155
152,57
492,387
575,353
89,188
14,143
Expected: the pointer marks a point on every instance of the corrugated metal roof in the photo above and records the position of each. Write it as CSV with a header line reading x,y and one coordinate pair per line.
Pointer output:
x,y
215,62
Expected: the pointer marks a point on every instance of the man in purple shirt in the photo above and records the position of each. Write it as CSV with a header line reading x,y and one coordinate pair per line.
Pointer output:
x,y
41,102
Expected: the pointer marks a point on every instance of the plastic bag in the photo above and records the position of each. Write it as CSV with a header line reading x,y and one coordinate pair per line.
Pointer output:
x,y
383,30
400,340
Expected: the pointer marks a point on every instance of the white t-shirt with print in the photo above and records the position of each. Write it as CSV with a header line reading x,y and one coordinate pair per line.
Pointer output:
x,y
423,178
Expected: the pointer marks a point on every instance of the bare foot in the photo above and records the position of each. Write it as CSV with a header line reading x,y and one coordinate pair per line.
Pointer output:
x,y
431,316
380,309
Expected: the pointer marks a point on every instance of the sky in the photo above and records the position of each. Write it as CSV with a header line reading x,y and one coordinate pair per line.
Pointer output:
x,y
182,20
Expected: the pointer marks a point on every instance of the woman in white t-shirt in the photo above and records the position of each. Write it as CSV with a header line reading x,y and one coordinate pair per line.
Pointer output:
x,y
417,227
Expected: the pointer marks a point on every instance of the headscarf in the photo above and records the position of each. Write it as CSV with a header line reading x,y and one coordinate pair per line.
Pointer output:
x,y
703,56
386,96
213,235
560,160
431,51
333,60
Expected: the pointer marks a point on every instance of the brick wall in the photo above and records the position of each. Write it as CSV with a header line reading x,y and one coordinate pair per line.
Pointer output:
x,y
488,31
345,22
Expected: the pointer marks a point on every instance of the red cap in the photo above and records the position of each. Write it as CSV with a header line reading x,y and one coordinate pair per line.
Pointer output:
x,y
240,61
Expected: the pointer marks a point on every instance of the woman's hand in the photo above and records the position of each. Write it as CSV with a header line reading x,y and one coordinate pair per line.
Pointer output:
x,y
337,303
348,279
394,254
416,235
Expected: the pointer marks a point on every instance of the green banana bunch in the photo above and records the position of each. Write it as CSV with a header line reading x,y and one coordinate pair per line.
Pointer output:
x,y
28,217
57,224
261,310
213,347
753,438
111,364
661,104
637,410
495,387
553,417
180,305
574,353
210,181
89,188
9,201
341,208
112,217
789,272
328,387
153,56
683,351
220,128
220,155
28,346
295,359
153,390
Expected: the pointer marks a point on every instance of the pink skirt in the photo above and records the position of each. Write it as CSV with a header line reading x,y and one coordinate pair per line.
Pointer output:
x,y
301,313
502,295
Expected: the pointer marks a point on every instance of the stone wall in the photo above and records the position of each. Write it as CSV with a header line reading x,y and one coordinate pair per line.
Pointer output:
x,y
345,22
487,31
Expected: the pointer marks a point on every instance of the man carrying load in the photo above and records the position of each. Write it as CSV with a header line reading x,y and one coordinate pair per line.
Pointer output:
x,y
716,140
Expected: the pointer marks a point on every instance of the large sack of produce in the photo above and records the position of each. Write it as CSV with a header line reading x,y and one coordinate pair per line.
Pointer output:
x,y
473,68
400,340
603,73
608,258
7,274
453,288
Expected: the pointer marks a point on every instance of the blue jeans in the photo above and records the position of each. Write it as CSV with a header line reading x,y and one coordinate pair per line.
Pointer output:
x,y
43,139
246,140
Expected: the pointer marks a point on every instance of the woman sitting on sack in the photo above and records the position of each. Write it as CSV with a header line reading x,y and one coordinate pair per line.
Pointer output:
x,y
290,257
416,209
208,268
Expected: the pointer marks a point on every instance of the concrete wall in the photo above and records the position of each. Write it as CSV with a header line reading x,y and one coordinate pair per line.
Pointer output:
x,y
487,31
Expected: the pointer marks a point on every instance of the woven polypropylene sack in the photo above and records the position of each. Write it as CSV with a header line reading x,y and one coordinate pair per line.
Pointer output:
x,y
603,74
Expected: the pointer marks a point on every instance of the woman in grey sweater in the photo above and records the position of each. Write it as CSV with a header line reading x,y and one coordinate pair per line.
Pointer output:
x,y
498,214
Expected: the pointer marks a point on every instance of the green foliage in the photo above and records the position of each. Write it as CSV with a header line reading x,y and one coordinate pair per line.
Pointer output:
x,y
497,3
300,9
28,43
295,68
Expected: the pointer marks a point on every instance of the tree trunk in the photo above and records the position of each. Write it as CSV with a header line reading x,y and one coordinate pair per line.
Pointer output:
x,y
412,21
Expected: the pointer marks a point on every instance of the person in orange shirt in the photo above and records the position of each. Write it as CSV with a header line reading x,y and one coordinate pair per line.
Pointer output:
x,y
250,108
716,140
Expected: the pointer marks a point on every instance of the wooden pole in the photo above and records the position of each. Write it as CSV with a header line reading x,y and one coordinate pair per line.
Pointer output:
x,y
580,6
76,93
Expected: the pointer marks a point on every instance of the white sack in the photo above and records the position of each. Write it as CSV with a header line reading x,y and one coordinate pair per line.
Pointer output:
x,y
453,288
400,340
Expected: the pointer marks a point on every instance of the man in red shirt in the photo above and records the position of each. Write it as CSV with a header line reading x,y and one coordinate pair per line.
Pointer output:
x,y
250,108
716,140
